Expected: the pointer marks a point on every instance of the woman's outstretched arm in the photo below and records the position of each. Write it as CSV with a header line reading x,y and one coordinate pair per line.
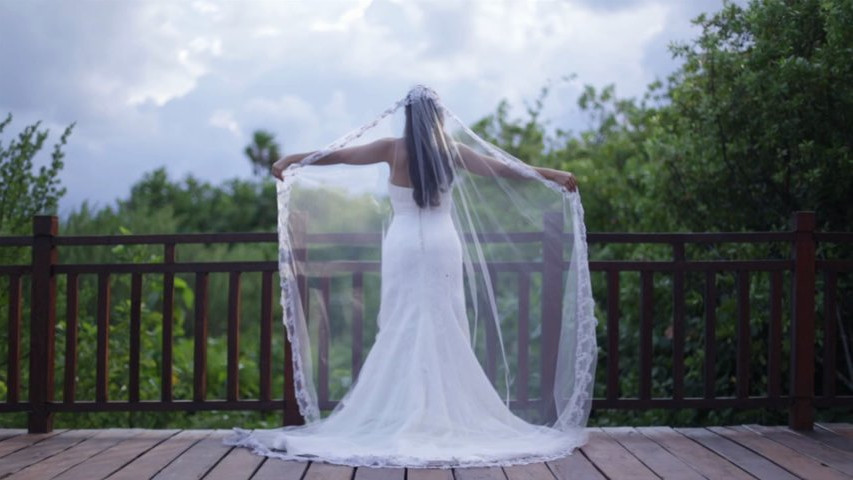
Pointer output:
x,y
487,166
373,152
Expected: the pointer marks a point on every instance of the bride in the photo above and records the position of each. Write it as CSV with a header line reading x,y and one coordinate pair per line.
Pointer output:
x,y
426,394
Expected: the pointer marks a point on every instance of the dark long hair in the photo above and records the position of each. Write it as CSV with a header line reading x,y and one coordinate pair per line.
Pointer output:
x,y
429,175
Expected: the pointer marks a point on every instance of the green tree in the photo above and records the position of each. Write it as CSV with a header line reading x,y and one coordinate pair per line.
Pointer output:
x,y
759,122
234,206
262,152
26,191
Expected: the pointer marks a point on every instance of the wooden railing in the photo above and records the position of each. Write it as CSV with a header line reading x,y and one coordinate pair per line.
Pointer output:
x,y
802,267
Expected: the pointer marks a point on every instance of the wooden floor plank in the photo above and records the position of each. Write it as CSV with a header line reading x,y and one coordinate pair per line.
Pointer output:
x,y
575,467
744,458
830,438
10,432
698,457
18,442
239,463
50,467
429,474
654,456
128,445
787,458
479,473
154,460
615,452
275,469
613,459
327,471
843,429
533,471
368,473
48,447
197,460
837,459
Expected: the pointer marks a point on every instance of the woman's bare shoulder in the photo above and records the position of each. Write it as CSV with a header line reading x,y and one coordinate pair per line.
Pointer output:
x,y
392,148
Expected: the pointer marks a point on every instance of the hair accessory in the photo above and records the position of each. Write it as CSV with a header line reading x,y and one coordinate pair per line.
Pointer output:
x,y
419,93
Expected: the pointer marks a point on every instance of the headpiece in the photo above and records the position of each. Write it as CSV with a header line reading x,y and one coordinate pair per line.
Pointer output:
x,y
420,92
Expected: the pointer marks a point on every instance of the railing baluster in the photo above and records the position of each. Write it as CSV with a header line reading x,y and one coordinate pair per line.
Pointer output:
x,y
233,383
71,304
102,362
523,338
265,363
357,321
830,332
678,322
168,306
290,415
298,229
200,338
744,336
492,347
710,373
135,327
552,302
323,330
13,367
612,334
774,354
646,327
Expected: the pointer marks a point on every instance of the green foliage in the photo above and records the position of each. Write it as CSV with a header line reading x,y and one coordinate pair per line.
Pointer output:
x,y
235,206
26,193
758,123
262,152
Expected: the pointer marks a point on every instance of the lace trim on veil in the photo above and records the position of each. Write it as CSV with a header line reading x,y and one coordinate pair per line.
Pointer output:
x,y
577,406
244,438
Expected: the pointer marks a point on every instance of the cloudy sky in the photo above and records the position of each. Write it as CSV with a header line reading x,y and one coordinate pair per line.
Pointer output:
x,y
184,83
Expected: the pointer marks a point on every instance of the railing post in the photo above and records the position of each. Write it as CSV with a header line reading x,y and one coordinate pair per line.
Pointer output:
x,y
42,322
801,413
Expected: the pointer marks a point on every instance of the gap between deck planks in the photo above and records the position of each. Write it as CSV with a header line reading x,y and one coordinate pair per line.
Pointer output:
x,y
749,451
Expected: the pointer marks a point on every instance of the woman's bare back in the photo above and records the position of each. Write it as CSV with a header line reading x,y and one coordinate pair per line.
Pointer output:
x,y
399,163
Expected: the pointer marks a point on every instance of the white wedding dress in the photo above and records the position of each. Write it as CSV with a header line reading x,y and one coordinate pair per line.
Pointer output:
x,y
422,398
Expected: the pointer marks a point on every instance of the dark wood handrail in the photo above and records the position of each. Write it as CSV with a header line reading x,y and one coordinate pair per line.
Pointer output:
x,y
802,265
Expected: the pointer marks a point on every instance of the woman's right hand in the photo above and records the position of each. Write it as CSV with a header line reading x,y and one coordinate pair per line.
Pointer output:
x,y
566,179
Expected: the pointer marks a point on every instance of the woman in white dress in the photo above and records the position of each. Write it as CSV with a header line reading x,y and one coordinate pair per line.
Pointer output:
x,y
422,397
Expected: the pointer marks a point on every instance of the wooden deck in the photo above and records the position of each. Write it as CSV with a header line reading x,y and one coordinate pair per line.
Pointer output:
x,y
738,452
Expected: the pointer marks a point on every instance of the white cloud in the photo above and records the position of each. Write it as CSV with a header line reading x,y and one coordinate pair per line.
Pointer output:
x,y
266,31
345,21
224,119
157,82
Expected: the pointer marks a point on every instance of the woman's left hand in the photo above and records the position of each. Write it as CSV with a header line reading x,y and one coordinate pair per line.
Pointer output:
x,y
566,179
278,168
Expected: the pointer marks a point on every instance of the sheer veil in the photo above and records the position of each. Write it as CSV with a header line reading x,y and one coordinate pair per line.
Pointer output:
x,y
482,349
527,288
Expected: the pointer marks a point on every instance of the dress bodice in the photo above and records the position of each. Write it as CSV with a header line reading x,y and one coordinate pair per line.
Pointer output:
x,y
403,202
